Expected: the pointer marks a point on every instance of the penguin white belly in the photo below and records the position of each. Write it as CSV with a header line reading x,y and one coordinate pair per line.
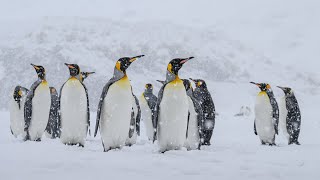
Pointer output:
x,y
116,115
73,109
264,122
41,103
283,117
146,117
17,118
133,139
173,117
193,138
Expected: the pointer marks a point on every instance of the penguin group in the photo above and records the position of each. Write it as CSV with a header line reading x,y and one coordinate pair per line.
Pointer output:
x,y
180,116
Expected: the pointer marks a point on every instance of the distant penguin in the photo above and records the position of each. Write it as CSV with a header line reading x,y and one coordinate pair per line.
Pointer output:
x,y
52,130
115,114
266,115
148,103
85,75
74,109
136,124
37,106
202,94
195,120
171,112
290,116
17,112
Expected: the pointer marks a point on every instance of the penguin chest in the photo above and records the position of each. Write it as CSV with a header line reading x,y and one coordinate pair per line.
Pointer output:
x,y
173,115
146,117
116,113
73,109
283,117
193,138
40,110
263,117
17,117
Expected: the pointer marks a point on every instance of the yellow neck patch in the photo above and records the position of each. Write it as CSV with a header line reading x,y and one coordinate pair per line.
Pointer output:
x,y
170,67
118,65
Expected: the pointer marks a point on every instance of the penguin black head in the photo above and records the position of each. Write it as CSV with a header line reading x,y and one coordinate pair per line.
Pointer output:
x,y
187,84
17,94
74,69
176,64
262,86
148,88
41,72
84,75
286,90
199,83
123,63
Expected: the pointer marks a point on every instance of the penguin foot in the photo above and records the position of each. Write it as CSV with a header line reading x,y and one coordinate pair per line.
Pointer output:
x,y
106,150
38,140
81,145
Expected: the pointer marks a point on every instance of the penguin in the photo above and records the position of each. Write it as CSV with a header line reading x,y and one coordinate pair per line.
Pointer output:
x,y
37,106
17,112
195,120
137,117
202,94
148,102
52,130
84,75
115,115
290,116
266,115
171,112
74,109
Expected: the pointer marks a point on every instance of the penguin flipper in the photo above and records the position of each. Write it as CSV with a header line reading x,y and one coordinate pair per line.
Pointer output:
x,y
28,107
88,108
103,95
254,127
188,124
200,117
132,124
275,110
138,117
155,117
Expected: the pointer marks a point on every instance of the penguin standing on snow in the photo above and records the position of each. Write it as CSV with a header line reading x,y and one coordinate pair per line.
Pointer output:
x,y
290,116
115,114
195,120
17,112
74,109
37,106
148,103
266,115
202,94
85,75
137,117
171,112
52,129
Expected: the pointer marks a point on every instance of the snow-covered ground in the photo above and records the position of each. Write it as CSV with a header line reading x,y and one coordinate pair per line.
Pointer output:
x,y
234,42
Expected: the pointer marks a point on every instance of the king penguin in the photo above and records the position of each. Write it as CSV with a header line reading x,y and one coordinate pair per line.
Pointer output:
x,y
85,75
148,103
17,112
74,109
202,94
171,112
290,116
266,115
115,114
52,130
195,120
37,106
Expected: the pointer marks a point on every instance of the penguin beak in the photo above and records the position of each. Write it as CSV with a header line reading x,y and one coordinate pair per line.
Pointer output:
x,y
69,66
185,60
281,87
35,66
135,58
257,84
193,80
162,82
89,73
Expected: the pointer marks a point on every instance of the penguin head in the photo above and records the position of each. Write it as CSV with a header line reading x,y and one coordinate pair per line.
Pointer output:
x,y
187,85
84,75
41,72
148,88
17,94
286,90
53,90
199,83
176,64
262,86
123,63
74,69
